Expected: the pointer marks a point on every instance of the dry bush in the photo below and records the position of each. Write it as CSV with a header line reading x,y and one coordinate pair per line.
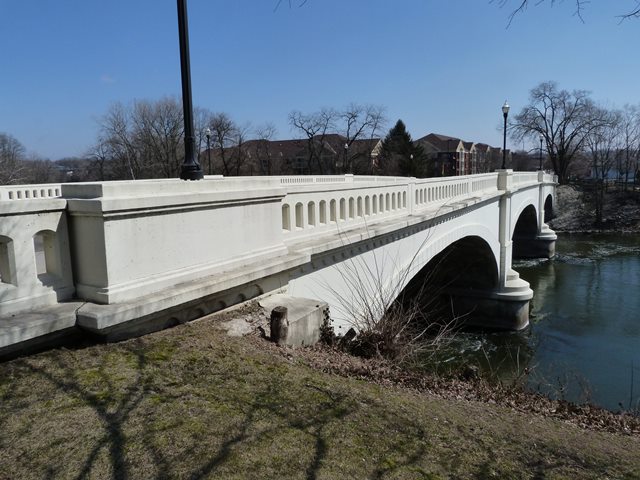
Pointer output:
x,y
393,319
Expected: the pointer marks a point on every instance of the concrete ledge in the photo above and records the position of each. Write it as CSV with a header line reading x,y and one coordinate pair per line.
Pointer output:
x,y
305,315
38,324
130,291
101,318
35,205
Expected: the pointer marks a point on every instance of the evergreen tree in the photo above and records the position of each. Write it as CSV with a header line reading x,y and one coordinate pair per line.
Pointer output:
x,y
399,155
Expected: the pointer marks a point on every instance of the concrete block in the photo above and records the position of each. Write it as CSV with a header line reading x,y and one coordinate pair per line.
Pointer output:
x,y
23,331
306,316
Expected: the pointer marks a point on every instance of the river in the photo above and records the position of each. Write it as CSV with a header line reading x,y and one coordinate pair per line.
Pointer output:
x,y
583,344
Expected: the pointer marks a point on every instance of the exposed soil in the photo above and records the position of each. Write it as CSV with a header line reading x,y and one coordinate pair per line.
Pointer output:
x,y
575,211
467,385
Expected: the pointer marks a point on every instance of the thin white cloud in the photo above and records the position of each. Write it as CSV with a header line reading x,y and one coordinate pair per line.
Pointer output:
x,y
104,78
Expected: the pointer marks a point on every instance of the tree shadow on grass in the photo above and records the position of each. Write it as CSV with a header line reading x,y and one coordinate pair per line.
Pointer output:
x,y
312,411
271,401
112,411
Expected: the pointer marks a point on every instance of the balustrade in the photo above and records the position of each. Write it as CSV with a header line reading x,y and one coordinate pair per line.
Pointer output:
x,y
29,192
34,244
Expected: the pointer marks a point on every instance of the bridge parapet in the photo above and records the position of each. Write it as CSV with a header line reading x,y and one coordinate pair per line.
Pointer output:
x,y
525,178
309,210
133,239
29,192
35,263
318,207
169,215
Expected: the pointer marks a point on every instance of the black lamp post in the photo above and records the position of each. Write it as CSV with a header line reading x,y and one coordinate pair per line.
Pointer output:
x,y
207,133
540,156
346,158
505,113
190,169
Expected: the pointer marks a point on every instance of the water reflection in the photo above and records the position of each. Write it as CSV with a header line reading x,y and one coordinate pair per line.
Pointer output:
x,y
584,339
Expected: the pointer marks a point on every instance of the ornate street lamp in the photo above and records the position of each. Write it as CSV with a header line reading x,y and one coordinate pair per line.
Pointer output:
x,y
190,169
540,156
505,113
207,133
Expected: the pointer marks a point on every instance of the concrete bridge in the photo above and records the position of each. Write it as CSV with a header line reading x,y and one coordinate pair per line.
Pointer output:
x,y
107,257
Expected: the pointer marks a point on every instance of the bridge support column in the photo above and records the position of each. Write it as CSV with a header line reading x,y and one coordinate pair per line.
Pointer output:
x,y
505,181
492,311
504,308
543,245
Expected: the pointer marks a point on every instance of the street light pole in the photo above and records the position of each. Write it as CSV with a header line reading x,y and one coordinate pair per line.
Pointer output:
x,y
207,132
540,156
346,158
190,169
505,113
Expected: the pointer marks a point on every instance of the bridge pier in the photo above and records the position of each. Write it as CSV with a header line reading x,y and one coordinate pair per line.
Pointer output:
x,y
543,245
505,308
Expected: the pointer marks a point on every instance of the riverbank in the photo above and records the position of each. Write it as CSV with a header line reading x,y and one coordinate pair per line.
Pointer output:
x,y
575,213
191,402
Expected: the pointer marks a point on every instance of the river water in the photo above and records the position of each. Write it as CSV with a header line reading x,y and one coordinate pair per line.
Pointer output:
x,y
583,343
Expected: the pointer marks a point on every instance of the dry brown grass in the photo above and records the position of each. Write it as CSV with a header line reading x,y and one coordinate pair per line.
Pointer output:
x,y
192,403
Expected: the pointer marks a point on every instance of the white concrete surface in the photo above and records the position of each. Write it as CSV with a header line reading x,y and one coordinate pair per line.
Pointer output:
x,y
141,248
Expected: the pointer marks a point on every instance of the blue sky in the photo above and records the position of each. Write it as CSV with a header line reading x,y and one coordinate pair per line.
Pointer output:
x,y
443,66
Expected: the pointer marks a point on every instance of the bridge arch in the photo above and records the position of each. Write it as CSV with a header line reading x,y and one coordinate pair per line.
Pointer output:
x,y
466,266
47,256
435,245
527,224
7,261
468,263
528,205
548,208
525,233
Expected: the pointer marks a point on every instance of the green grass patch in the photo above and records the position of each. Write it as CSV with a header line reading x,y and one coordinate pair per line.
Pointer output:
x,y
192,403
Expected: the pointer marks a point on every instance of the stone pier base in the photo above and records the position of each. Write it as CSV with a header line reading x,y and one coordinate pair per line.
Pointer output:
x,y
542,245
506,308
491,313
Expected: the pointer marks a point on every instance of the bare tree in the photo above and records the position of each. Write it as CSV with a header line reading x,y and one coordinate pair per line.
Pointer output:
x,y
563,118
40,170
315,127
629,154
116,140
11,160
223,135
100,155
203,119
239,154
264,134
143,140
580,5
359,122
602,143
158,132
279,2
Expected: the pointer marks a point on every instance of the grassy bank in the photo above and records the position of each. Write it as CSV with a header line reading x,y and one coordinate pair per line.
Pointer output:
x,y
192,403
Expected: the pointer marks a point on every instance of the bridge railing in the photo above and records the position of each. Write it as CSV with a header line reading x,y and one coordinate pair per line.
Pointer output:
x,y
311,211
26,192
525,178
132,238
